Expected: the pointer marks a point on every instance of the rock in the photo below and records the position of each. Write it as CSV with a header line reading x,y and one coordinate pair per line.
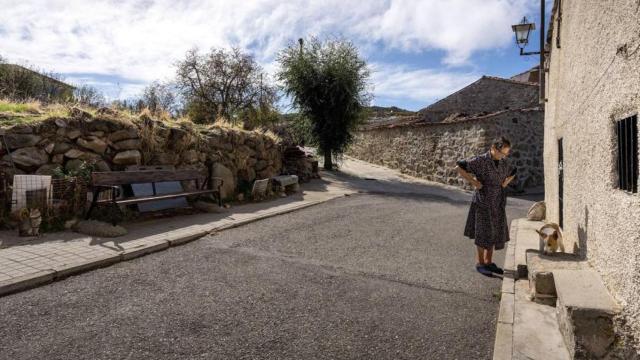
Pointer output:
x,y
20,129
91,157
208,207
164,159
78,113
537,212
69,224
189,157
130,144
124,134
73,134
261,165
240,197
267,173
47,169
28,157
60,123
49,148
74,153
106,111
16,141
57,159
60,148
102,165
229,184
99,229
128,157
98,134
94,144
73,165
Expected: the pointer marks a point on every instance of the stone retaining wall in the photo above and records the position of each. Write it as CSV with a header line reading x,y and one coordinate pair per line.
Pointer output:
x,y
430,150
111,143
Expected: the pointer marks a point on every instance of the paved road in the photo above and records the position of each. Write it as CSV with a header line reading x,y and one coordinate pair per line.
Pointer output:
x,y
370,276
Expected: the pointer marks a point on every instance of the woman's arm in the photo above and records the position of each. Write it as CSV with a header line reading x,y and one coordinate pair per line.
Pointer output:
x,y
506,181
472,180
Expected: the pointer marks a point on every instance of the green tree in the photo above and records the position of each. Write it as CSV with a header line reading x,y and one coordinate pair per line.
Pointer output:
x,y
328,83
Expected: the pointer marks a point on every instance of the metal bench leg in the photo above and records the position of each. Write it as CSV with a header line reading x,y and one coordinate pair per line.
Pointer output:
x,y
96,193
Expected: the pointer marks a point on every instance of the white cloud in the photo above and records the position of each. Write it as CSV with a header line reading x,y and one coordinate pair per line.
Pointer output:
x,y
417,85
140,40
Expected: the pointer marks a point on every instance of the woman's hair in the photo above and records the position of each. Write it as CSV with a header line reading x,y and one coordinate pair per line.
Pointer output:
x,y
501,143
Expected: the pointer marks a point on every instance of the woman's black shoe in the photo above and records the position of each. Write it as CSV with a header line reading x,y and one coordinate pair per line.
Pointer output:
x,y
494,269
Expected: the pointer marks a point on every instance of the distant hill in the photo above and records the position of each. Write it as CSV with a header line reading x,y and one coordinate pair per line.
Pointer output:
x,y
382,112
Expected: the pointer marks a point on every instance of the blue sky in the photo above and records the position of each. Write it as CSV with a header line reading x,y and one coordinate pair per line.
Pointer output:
x,y
418,50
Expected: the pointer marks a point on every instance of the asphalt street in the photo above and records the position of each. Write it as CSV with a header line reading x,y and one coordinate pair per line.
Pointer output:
x,y
385,274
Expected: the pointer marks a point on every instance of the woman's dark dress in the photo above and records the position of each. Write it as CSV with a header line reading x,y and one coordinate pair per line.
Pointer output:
x,y
487,219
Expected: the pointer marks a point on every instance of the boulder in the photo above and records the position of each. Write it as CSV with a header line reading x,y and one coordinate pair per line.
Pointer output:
x,y
16,141
49,148
128,157
94,144
73,134
124,134
47,169
229,186
28,157
61,123
74,153
60,148
130,144
98,134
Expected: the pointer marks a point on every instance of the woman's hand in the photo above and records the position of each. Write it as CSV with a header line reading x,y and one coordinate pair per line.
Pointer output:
x,y
506,181
477,184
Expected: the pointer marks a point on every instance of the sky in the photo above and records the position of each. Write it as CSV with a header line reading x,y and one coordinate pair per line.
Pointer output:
x,y
418,51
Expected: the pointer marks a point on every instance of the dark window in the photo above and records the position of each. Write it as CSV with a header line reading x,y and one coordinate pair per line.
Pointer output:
x,y
627,133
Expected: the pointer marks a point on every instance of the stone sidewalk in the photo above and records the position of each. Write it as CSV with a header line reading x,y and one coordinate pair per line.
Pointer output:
x,y
525,330
29,262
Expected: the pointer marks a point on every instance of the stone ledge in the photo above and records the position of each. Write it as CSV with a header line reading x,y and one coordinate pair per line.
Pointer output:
x,y
540,273
585,312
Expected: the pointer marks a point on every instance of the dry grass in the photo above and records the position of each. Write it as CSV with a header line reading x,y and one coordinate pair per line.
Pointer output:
x,y
15,113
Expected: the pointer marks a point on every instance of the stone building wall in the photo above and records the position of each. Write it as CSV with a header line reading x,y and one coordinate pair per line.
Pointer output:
x,y
594,81
430,150
486,95
112,142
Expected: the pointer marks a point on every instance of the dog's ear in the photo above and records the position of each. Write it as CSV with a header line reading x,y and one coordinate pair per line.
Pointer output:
x,y
554,234
541,233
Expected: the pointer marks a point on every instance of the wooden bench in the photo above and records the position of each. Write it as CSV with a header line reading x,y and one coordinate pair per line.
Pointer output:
x,y
112,180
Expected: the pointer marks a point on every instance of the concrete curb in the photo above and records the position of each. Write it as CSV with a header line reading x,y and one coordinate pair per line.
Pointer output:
x,y
154,244
503,346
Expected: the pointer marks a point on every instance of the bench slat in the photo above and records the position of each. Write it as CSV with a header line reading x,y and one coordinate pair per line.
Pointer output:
x,y
138,200
137,177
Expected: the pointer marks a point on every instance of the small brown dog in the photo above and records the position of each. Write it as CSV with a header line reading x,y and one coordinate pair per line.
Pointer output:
x,y
550,241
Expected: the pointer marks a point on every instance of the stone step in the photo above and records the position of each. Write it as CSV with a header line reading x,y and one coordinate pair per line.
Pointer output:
x,y
540,269
585,312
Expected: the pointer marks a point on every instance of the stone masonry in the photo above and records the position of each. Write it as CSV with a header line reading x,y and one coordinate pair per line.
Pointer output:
x,y
430,150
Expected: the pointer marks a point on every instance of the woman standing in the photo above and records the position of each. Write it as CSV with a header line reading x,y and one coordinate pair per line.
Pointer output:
x,y
486,223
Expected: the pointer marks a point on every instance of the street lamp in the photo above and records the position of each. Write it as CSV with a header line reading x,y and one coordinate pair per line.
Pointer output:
x,y
522,31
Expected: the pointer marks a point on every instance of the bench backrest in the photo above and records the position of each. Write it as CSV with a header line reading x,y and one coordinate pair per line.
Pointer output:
x,y
139,177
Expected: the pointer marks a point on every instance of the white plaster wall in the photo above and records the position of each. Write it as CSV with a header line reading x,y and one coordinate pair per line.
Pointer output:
x,y
592,82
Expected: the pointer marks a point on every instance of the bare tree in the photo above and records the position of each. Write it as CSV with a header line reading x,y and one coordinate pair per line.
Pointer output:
x,y
89,95
160,97
222,83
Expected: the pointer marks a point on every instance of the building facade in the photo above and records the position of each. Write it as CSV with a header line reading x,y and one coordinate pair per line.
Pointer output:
x,y
464,124
590,140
